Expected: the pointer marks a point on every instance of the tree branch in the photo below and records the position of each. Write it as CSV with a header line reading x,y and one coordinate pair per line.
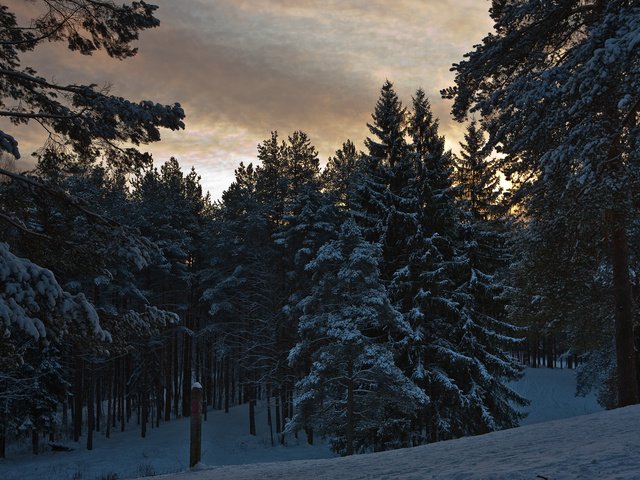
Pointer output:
x,y
20,226
8,113
60,194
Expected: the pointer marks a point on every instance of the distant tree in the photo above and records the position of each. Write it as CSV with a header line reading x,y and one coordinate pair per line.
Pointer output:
x,y
341,173
85,125
476,176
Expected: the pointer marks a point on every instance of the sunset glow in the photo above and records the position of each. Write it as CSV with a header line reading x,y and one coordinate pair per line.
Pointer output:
x,y
241,69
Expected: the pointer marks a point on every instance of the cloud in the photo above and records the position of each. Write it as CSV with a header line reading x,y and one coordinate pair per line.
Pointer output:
x,y
242,68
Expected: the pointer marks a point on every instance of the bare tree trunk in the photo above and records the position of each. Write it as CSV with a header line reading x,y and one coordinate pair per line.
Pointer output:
x,y
269,420
77,399
625,349
98,404
144,400
252,416
176,377
278,420
167,381
35,442
90,412
227,385
110,380
3,440
350,409
186,374
550,356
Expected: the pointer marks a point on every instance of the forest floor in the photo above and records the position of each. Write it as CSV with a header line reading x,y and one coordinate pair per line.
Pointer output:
x,y
226,442
601,445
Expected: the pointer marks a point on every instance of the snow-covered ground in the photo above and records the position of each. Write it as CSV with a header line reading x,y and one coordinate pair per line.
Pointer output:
x,y
602,445
552,395
226,442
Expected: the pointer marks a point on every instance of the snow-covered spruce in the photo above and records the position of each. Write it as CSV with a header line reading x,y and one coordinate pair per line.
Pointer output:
x,y
32,301
353,391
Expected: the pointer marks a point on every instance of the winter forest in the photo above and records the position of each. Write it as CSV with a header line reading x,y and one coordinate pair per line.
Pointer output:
x,y
385,300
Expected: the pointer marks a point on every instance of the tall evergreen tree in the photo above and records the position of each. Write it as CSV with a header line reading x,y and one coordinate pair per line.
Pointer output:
x,y
460,358
341,173
354,391
576,143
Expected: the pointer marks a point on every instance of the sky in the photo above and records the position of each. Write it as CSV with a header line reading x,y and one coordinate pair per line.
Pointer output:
x,y
244,68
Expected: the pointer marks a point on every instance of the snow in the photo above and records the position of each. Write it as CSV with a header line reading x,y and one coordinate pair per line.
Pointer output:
x,y
225,440
557,450
552,394
601,445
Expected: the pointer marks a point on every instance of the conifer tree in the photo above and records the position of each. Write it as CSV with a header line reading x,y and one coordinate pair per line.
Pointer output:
x,y
387,151
576,144
460,358
354,389
476,177
341,173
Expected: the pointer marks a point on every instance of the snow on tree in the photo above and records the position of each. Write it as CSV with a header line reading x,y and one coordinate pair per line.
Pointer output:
x,y
32,301
348,338
386,148
460,357
556,86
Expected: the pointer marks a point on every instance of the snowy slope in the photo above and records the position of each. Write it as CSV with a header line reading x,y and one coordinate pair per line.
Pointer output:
x,y
598,446
226,440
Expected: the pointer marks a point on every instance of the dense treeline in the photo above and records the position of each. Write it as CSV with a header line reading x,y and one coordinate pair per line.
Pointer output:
x,y
385,300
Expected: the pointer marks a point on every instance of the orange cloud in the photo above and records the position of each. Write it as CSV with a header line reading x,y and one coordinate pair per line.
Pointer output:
x,y
242,68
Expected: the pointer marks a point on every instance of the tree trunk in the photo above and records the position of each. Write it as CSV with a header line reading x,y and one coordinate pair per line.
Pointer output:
x,y
35,442
227,385
252,416
625,349
98,404
186,375
350,409
269,420
109,420
550,356
278,420
144,399
77,399
167,382
3,440
284,404
176,377
90,413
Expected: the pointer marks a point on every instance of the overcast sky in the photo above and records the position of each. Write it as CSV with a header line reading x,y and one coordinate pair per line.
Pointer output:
x,y
242,68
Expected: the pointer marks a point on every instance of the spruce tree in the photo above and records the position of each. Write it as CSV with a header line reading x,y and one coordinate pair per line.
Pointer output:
x,y
354,390
476,176
340,175
460,358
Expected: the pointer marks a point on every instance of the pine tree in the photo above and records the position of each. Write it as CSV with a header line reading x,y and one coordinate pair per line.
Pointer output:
x,y
387,152
577,144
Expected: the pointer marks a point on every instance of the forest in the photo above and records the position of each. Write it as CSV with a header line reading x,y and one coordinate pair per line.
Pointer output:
x,y
385,300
